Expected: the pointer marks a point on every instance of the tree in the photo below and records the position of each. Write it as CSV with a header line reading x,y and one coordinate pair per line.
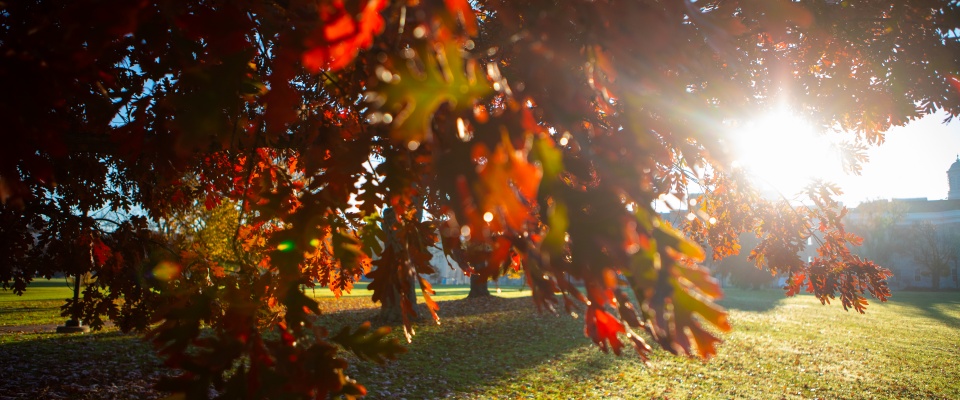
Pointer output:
x,y
541,129
395,285
472,259
878,225
741,272
933,248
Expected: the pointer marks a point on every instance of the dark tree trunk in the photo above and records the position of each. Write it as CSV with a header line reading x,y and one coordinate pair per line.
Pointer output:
x,y
935,280
390,308
478,286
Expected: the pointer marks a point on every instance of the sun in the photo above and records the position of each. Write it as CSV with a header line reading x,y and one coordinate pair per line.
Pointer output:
x,y
782,153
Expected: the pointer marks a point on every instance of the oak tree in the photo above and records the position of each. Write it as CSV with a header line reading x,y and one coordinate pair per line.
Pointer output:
x,y
879,223
934,248
544,130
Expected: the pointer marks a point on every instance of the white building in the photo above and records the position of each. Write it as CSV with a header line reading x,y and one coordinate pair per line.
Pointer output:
x,y
943,215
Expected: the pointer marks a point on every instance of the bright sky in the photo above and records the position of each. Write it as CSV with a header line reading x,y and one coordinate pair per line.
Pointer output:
x,y
911,163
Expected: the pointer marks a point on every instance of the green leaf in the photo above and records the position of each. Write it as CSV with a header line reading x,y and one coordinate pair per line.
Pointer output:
x,y
372,236
424,78
550,159
557,221
347,249
672,238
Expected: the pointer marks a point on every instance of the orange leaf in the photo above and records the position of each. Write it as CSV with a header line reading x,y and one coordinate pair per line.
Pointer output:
x,y
602,328
954,81
461,9
339,29
340,38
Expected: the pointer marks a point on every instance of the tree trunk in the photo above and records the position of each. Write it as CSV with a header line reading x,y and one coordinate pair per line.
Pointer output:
x,y
390,308
478,286
935,280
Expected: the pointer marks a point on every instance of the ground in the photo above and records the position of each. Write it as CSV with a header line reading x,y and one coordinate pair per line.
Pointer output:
x,y
502,348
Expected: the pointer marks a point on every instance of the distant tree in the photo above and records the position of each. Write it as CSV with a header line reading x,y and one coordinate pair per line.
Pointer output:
x,y
472,259
877,224
540,128
933,248
479,277
741,271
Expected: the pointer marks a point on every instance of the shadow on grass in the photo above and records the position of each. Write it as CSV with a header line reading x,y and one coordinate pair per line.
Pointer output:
x,y
101,365
932,304
759,300
486,342
479,343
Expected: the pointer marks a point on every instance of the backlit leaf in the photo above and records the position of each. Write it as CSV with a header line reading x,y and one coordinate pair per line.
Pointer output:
x,y
427,76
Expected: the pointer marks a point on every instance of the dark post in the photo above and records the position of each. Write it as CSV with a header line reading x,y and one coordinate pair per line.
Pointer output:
x,y
74,324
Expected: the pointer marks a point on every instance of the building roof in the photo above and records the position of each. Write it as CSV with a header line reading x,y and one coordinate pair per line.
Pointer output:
x,y
955,166
911,211
931,206
911,206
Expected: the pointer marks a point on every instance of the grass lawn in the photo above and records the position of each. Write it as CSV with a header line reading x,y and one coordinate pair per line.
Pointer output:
x,y
502,348
39,305
780,348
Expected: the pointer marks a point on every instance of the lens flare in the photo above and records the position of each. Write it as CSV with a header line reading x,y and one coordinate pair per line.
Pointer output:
x,y
166,271
285,246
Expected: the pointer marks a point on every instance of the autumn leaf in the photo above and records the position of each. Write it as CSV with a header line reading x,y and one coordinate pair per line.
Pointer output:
x,y
418,81
461,9
369,345
338,39
602,328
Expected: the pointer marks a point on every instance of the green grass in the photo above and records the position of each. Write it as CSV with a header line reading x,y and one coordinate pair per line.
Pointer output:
x,y
39,305
780,348
502,348
447,292
40,290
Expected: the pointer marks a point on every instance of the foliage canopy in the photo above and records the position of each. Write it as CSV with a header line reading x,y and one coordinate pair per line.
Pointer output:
x,y
543,131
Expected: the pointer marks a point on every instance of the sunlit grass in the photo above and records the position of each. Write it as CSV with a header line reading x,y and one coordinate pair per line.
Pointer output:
x,y
56,289
502,348
39,304
780,348
445,292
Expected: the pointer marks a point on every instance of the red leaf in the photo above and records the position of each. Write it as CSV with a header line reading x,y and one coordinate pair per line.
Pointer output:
x,y
793,287
212,201
602,328
339,29
954,81
461,9
336,43
101,252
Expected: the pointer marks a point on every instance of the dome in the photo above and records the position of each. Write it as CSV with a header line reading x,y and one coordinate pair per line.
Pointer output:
x,y
953,177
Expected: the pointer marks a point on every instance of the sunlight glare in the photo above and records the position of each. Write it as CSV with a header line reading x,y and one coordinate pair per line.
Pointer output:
x,y
782,154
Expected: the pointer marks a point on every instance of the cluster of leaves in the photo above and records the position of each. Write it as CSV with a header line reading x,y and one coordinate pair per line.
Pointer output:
x,y
541,132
